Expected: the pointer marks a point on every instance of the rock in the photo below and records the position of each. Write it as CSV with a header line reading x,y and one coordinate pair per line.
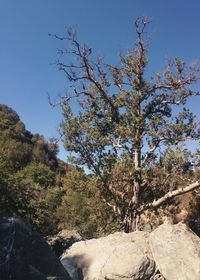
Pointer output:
x,y
63,240
117,256
24,254
74,272
176,250
133,267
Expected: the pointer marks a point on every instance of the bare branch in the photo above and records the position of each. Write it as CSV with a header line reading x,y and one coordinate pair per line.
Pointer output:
x,y
151,151
171,194
113,206
116,143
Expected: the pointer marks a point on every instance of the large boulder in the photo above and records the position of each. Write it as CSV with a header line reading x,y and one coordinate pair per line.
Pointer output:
x,y
117,256
176,251
24,254
171,252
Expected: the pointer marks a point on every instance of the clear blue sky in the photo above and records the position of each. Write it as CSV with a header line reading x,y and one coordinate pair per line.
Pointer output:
x,y
26,50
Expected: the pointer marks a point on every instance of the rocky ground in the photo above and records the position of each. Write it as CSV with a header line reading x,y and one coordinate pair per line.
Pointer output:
x,y
170,252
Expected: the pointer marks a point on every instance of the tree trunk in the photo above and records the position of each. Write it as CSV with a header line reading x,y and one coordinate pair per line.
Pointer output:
x,y
132,216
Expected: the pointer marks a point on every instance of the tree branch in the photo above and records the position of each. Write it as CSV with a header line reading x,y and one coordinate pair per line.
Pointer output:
x,y
113,206
151,151
171,194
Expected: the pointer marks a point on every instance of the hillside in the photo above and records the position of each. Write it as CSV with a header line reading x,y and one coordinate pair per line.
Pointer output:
x,y
30,173
49,193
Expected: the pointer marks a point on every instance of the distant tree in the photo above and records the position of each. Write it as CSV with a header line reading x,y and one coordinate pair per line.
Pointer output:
x,y
14,197
15,146
34,193
125,122
82,208
44,152
38,173
30,173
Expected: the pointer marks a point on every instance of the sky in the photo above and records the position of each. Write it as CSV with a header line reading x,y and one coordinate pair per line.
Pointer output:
x,y
27,74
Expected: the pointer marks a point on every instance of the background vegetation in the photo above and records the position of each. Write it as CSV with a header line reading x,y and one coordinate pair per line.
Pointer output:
x,y
49,193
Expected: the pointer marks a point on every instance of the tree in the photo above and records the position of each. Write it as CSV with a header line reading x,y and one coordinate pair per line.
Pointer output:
x,y
44,152
125,122
82,208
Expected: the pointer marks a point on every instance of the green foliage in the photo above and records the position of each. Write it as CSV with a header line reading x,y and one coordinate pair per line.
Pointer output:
x,y
15,196
38,173
29,185
47,192
44,152
14,154
82,208
18,146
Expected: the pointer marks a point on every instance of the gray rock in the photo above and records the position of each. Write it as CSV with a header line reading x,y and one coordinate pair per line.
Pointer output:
x,y
117,256
133,266
176,250
24,254
74,272
171,252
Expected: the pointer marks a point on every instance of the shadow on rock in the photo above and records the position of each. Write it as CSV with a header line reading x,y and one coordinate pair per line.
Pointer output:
x,y
25,255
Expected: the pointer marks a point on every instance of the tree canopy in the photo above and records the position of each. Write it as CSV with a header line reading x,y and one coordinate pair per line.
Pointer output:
x,y
128,125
